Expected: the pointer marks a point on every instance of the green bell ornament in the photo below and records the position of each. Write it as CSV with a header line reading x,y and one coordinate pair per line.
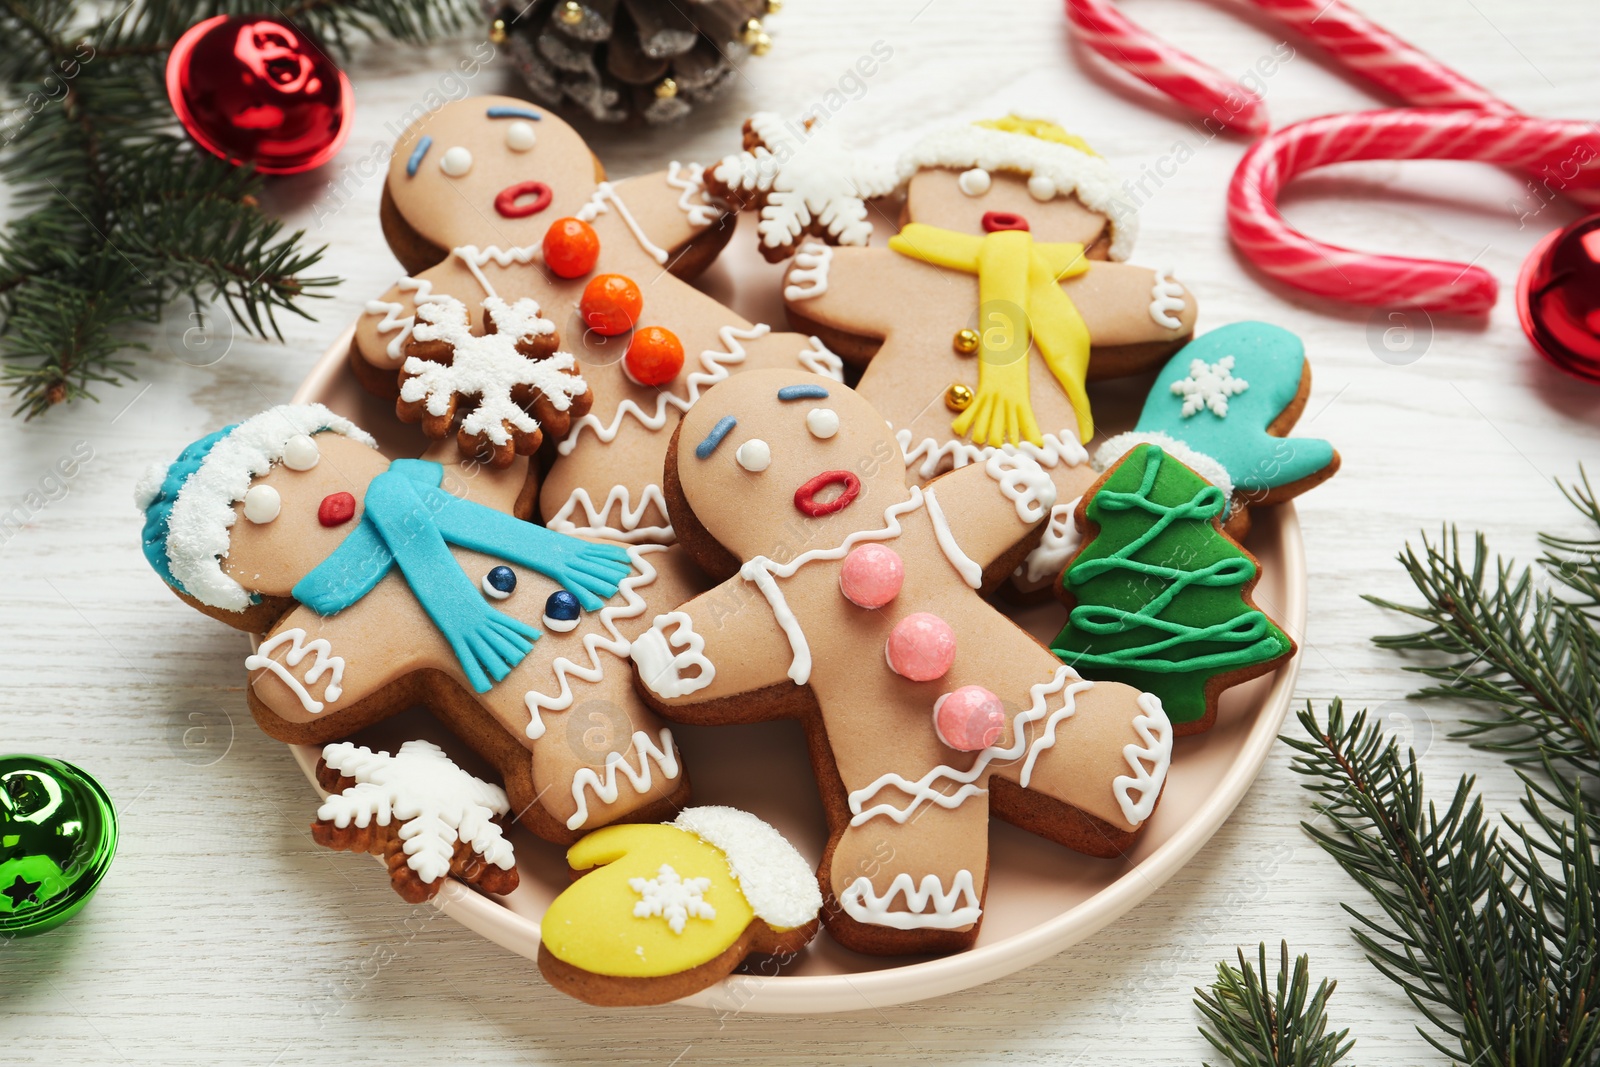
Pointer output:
x,y
58,832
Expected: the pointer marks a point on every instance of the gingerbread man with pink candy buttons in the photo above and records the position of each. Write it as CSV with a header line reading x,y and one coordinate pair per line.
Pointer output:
x,y
791,488
471,195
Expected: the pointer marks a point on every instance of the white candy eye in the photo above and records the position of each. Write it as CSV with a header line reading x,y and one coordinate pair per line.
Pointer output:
x,y
262,504
1041,188
754,455
520,136
300,452
974,182
822,422
456,162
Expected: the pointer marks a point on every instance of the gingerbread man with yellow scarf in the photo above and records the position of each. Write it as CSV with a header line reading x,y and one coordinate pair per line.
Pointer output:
x,y
1002,294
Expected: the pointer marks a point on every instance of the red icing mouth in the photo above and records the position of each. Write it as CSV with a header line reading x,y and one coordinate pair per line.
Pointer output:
x,y
994,221
336,509
510,203
805,497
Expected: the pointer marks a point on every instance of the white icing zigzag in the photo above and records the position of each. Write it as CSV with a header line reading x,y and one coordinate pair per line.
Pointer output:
x,y
816,359
1023,482
1060,541
938,456
701,213
605,789
661,668
322,661
394,321
1137,793
596,521
808,276
923,790
865,906
630,606
1166,297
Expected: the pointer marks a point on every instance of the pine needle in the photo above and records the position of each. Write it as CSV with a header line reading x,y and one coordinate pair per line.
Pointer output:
x,y
1256,1022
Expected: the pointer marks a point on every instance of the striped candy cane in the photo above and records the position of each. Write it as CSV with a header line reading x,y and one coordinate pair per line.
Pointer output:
x,y
1344,274
1355,41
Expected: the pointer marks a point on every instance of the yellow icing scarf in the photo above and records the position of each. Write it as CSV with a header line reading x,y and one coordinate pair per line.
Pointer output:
x,y
1017,284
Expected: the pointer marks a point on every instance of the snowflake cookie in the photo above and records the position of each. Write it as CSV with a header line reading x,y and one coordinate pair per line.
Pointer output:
x,y
500,390
803,181
424,815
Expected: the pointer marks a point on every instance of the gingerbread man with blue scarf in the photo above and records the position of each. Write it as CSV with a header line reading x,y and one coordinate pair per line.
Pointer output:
x,y
377,586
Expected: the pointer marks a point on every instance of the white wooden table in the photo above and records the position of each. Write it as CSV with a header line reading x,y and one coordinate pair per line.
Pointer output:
x,y
223,935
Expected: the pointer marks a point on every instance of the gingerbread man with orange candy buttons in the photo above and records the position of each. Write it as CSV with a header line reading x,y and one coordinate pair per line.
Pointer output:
x,y
492,197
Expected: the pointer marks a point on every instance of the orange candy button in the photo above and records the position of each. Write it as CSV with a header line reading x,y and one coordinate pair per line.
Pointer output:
x,y
654,357
611,304
571,248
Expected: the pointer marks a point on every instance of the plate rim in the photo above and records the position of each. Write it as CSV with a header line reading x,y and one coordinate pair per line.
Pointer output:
x,y
924,979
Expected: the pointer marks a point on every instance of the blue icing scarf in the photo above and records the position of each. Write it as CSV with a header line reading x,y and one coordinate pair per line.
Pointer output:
x,y
1271,359
409,520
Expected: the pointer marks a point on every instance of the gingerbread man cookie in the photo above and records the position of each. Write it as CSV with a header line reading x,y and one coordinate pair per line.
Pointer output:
x,y
792,488
662,912
379,585
1002,294
1159,594
488,197
1224,405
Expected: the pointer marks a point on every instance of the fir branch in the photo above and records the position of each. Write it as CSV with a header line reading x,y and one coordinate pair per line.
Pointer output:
x,y
1492,940
1255,1022
124,214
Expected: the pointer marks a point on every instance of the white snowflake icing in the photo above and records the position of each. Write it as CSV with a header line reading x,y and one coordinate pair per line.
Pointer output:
x,y
673,898
437,803
1209,385
807,174
488,367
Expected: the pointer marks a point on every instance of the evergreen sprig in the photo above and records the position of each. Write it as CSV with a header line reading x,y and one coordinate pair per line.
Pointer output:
x,y
123,214
1256,1022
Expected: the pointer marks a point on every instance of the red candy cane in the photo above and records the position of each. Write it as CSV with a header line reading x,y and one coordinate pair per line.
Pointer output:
x,y
1343,274
1354,40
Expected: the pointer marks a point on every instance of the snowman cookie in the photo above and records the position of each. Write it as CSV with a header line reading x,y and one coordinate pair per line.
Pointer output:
x,y
379,585
853,601
491,197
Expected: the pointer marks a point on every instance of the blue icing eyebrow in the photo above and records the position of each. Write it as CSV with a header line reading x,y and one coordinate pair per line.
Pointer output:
x,y
802,392
500,111
416,156
725,424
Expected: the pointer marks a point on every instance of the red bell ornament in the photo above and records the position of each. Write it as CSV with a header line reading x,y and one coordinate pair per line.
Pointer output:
x,y
259,90
1558,298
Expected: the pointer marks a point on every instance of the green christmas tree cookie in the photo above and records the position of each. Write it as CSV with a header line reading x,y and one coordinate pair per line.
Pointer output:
x,y
1160,596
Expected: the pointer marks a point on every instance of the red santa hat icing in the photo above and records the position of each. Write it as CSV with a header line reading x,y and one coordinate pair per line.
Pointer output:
x,y
188,504
1056,162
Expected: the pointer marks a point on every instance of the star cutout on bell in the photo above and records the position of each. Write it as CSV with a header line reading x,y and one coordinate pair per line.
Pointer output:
x,y
22,892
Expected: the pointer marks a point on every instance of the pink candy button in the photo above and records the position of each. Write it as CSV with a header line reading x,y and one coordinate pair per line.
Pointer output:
x,y
921,647
969,719
871,576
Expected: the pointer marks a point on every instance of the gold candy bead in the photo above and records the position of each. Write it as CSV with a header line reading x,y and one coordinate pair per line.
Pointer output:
x,y
571,12
774,6
666,89
958,397
762,45
965,341
750,32
497,32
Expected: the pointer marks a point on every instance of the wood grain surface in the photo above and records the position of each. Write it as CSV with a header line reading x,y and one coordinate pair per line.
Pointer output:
x,y
223,935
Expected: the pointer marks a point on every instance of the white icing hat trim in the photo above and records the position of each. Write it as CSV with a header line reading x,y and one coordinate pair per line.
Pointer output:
x,y
776,880
197,528
1072,171
1203,465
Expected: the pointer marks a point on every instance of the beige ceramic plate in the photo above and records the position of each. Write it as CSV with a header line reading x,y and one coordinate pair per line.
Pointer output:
x,y
1042,898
